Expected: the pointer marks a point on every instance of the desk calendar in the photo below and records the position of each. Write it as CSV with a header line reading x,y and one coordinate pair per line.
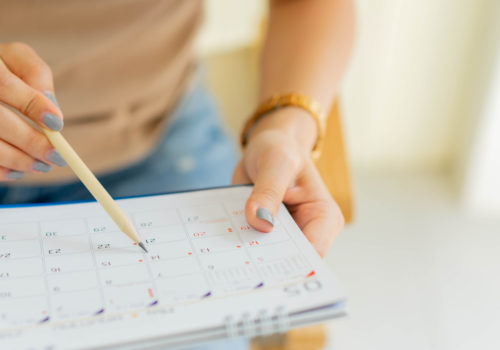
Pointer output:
x,y
70,280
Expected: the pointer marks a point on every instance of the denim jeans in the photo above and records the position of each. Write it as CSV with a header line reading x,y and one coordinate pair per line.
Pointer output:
x,y
196,151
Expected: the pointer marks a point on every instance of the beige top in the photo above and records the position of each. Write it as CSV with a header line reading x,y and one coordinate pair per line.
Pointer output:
x,y
119,66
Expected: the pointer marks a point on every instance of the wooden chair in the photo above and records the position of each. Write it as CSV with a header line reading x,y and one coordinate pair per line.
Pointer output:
x,y
333,165
334,170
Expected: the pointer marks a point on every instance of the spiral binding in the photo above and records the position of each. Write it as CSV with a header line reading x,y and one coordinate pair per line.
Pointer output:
x,y
261,324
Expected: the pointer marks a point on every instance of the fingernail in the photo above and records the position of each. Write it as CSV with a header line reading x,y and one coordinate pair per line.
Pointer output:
x,y
264,214
41,166
56,158
15,175
51,96
53,122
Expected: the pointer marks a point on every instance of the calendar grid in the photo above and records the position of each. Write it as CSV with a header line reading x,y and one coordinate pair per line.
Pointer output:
x,y
94,260
98,270
45,278
150,272
98,289
193,248
251,259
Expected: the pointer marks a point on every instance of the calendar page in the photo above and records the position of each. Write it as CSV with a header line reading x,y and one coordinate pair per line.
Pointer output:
x,y
70,279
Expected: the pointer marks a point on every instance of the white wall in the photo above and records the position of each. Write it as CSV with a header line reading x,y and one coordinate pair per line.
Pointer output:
x,y
407,93
407,74
481,186
230,25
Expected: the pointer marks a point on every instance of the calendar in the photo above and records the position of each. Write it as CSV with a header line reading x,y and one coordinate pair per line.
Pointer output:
x,y
70,279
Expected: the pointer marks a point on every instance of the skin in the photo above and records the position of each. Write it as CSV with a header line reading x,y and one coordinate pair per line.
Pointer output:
x,y
24,77
306,50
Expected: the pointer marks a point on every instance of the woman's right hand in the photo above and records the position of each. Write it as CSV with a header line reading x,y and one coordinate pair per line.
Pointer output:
x,y
26,85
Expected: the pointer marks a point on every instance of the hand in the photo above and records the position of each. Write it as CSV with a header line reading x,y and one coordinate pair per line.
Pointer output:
x,y
26,86
282,171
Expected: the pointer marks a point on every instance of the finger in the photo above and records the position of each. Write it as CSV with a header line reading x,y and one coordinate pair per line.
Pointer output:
x,y
239,175
321,222
309,186
29,101
15,159
322,228
25,63
314,210
10,175
23,136
274,175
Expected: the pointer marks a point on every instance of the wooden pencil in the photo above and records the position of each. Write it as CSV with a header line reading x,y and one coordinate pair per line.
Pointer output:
x,y
93,185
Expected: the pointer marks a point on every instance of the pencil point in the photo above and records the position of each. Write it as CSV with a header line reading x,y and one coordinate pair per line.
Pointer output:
x,y
142,246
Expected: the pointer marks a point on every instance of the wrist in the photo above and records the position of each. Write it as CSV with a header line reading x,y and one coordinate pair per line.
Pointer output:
x,y
293,122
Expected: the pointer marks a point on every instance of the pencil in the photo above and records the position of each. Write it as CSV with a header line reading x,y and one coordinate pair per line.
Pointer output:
x,y
93,185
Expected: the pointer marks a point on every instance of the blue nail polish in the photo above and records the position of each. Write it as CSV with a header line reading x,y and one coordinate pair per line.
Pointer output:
x,y
51,96
264,214
56,158
53,122
15,175
41,166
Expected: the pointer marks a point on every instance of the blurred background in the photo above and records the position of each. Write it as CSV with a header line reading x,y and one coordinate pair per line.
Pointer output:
x,y
421,115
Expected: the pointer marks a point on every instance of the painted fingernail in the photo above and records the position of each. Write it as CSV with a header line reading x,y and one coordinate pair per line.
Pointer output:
x,y
51,96
15,175
53,122
264,214
41,166
56,158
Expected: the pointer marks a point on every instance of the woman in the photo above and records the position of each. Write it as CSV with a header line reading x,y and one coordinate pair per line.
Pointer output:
x,y
137,112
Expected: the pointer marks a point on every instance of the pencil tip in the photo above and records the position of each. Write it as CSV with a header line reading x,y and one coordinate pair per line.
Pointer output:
x,y
142,246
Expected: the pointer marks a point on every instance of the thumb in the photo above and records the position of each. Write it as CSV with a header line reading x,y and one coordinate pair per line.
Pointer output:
x,y
272,181
239,175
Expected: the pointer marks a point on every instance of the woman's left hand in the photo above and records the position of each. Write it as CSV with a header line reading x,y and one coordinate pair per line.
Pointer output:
x,y
281,170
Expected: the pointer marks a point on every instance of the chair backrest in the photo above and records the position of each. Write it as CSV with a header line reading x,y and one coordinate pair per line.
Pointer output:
x,y
333,165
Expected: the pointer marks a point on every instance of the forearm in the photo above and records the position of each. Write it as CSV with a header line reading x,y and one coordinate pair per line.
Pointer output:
x,y
306,50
